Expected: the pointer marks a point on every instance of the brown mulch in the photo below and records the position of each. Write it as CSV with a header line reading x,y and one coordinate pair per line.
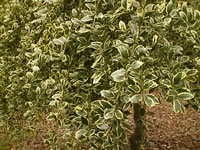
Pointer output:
x,y
166,130
170,131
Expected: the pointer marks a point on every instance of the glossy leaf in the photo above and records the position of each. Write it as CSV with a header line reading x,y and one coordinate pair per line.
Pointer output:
x,y
102,126
107,94
119,114
136,98
105,104
35,68
122,25
81,133
150,84
60,41
109,113
136,64
97,77
151,100
118,75
185,96
177,106
178,77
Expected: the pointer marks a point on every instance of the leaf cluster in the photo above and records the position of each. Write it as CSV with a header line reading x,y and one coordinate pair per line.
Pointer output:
x,y
85,63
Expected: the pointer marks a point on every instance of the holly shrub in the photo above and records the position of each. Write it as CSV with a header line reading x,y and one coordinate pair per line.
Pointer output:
x,y
85,64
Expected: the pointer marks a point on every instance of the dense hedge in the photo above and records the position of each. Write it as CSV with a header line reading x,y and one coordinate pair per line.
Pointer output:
x,y
84,64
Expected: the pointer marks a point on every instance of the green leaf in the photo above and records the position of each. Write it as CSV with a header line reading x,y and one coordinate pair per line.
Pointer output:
x,y
86,19
136,64
84,121
37,50
151,77
100,134
172,92
151,100
97,77
149,7
95,45
154,98
102,126
90,6
119,114
134,88
123,51
52,116
60,41
109,113
67,133
129,40
118,75
136,98
185,96
177,49
122,48
29,75
140,11
26,86
53,103
125,98
122,26
169,7
83,30
44,85
38,90
50,81
74,12
116,147
170,98
180,90
178,77
142,50
105,104
150,84
177,107
197,14
26,113
182,15
81,133
56,96
192,79
184,59
107,94
80,111
161,8
124,3
76,21
167,21
155,39
126,106
97,59
35,68
87,13
190,14
196,25
192,72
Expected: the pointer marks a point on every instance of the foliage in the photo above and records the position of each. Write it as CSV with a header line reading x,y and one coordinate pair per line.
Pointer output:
x,y
195,4
85,63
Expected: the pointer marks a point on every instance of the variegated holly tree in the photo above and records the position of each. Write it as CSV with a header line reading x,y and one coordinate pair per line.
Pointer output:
x,y
86,63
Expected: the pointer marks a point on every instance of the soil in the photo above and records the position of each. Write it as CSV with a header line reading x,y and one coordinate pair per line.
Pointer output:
x,y
170,131
166,131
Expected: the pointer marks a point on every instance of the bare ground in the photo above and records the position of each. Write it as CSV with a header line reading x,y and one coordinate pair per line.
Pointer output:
x,y
166,131
171,131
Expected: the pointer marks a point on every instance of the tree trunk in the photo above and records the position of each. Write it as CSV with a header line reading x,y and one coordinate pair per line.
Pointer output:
x,y
138,137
